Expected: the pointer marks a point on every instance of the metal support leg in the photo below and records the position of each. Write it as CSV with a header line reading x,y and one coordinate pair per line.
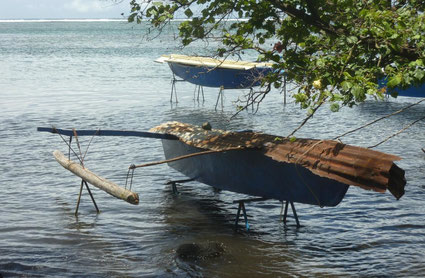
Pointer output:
x,y
245,216
294,212
220,95
202,90
284,89
174,187
174,184
242,207
83,182
222,99
173,89
286,212
91,196
238,214
198,90
194,92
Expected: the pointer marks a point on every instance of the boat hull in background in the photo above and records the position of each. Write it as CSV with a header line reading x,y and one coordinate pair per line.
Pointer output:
x,y
220,77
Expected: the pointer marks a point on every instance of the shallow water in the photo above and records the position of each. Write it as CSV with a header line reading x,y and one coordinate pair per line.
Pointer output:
x,y
102,75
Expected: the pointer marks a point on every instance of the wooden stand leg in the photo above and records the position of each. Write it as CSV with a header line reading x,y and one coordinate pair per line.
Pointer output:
x,y
83,182
79,198
91,196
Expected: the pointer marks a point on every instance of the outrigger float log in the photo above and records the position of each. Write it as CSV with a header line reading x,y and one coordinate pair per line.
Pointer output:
x,y
309,171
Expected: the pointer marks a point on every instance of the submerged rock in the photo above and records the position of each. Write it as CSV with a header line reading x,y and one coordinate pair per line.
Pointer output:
x,y
206,126
200,251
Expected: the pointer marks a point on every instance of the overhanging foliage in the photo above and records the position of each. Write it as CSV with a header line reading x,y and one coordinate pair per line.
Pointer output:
x,y
333,51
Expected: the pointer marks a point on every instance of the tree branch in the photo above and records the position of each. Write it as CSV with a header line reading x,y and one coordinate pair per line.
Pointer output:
x,y
312,20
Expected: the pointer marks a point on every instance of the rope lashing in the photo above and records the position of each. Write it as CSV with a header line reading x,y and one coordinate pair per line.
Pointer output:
x,y
130,169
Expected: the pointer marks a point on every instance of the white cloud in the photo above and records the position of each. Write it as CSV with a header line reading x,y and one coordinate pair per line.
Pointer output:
x,y
86,6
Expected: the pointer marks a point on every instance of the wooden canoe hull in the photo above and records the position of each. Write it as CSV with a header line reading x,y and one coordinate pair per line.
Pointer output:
x,y
220,77
251,172
328,159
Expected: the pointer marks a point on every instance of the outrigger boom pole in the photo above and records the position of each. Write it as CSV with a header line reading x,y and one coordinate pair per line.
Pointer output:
x,y
87,176
107,132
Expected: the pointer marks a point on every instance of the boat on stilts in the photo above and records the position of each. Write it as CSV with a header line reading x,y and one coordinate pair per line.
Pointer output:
x,y
216,73
308,171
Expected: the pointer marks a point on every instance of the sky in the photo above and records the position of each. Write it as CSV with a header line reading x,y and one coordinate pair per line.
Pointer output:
x,y
58,9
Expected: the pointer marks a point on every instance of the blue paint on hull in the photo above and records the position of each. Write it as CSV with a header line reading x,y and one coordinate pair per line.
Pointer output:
x,y
220,77
250,172
413,91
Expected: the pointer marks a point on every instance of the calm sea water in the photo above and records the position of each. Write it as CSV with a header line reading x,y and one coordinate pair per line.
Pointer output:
x,y
102,75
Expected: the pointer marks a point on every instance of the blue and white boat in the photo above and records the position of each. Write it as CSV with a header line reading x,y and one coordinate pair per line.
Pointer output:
x,y
210,72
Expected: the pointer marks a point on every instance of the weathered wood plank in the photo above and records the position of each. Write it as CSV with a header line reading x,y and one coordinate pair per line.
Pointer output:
x,y
99,182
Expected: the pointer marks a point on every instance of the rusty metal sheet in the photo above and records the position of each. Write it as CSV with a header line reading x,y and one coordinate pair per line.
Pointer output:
x,y
352,165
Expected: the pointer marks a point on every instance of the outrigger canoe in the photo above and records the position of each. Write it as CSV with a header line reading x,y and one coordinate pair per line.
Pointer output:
x,y
309,171
210,72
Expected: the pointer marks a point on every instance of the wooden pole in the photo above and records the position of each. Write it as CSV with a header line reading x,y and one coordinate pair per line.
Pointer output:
x,y
79,198
99,182
184,157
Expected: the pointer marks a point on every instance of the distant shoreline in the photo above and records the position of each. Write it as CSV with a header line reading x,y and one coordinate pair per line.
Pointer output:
x,y
86,20
64,20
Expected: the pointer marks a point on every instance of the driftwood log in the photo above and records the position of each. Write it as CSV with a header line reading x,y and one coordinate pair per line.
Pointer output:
x,y
99,182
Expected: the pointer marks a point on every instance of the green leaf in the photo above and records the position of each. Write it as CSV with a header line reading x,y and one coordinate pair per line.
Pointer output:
x,y
346,85
358,92
131,17
394,81
334,107
371,92
352,39
419,74
347,75
188,13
